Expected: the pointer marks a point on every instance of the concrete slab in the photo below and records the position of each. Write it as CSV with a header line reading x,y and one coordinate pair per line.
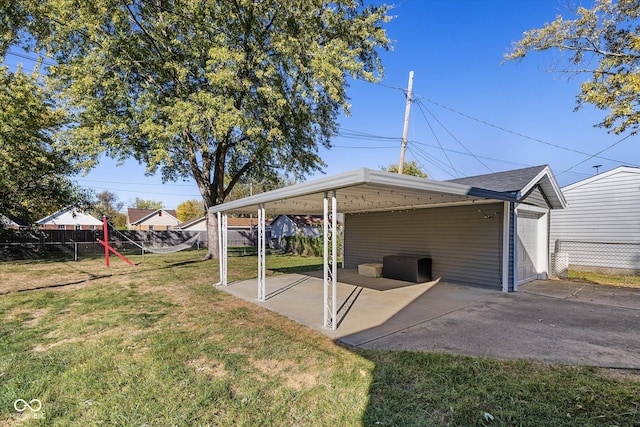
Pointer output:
x,y
364,303
550,321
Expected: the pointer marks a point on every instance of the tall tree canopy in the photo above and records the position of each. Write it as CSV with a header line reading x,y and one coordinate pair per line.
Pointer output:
x,y
107,204
34,176
147,204
207,89
603,41
410,168
190,209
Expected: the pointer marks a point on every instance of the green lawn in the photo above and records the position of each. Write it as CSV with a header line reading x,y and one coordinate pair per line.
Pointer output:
x,y
158,345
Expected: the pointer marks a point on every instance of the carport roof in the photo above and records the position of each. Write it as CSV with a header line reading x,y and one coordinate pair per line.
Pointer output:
x,y
365,190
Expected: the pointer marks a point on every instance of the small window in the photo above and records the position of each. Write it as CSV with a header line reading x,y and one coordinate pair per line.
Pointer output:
x,y
151,228
93,227
61,227
78,227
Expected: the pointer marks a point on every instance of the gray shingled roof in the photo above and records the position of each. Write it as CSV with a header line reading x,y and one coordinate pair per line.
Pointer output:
x,y
505,182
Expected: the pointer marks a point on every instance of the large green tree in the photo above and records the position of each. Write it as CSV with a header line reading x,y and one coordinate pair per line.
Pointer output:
x,y
603,41
215,90
34,175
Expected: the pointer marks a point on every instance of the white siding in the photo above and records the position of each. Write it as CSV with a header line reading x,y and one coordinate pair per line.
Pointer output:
x,y
600,209
464,242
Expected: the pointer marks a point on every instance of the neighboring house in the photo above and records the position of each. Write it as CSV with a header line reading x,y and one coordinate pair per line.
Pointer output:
x,y
293,225
600,229
12,223
151,219
197,224
489,230
243,231
240,231
69,219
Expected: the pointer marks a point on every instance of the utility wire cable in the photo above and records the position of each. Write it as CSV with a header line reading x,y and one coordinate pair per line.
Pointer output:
x,y
455,138
518,133
598,153
421,108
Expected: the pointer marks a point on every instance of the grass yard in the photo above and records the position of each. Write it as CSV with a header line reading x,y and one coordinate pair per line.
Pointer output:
x,y
627,281
158,345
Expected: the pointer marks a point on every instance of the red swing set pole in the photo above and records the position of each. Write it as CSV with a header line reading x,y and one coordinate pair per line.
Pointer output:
x,y
107,247
105,230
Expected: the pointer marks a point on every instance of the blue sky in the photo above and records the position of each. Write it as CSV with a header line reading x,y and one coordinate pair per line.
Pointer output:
x,y
471,114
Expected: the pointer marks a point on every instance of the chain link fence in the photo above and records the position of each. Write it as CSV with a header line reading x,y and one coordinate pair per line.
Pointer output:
x,y
79,244
600,257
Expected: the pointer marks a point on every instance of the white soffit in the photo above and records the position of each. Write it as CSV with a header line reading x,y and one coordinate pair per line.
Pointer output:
x,y
362,190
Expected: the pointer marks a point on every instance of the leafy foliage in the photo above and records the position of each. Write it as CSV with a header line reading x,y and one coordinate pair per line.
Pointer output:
x,y
34,175
204,89
603,41
146,204
190,209
410,168
108,205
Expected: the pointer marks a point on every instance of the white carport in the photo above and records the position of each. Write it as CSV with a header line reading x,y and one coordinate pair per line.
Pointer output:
x,y
360,191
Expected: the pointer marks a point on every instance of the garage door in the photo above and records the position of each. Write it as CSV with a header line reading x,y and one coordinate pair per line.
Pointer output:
x,y
528,246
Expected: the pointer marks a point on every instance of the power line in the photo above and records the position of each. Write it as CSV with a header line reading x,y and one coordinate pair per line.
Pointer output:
x,y
456,139
24,56
420,107
599,152
520,134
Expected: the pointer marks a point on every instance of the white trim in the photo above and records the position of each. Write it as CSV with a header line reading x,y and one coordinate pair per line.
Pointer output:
x,y
261,254
505,247
361,177
330,306
224,255
602,175
515,248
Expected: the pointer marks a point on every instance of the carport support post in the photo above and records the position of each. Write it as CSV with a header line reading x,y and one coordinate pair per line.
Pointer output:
x,y
222,247
261,253
330,265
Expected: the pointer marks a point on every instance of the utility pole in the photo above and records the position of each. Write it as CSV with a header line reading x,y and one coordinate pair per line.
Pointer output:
x,y
405,131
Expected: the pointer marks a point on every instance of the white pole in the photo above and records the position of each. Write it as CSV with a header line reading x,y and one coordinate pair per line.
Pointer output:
x,y
261,253
334,263
325,251
218,215
405,131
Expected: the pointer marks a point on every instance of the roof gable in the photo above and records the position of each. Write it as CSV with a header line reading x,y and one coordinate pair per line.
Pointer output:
x,y
69,216
535,185
137,216
602,176
191,223
512,181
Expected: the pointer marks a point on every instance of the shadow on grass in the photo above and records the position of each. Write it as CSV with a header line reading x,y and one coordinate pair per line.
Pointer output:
x,y
93,277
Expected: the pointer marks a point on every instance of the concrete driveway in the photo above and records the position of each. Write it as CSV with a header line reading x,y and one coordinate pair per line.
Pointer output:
x,y
549,321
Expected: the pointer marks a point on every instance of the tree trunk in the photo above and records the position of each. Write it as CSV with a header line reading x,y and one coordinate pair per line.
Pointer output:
x,y
212,237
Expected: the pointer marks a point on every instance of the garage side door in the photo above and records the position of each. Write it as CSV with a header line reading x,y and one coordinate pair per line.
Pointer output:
x,y
528,246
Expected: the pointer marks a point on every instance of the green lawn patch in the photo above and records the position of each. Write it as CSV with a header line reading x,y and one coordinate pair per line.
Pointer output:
x,y
605,279
157,344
